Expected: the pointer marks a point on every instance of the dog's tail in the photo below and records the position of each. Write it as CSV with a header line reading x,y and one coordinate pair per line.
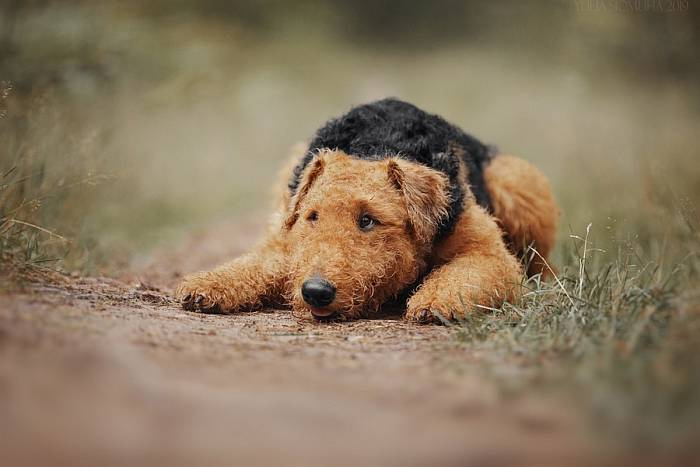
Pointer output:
x,y
522,201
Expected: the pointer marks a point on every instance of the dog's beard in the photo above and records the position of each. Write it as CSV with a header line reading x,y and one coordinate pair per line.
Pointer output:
x,y
355,301
359,295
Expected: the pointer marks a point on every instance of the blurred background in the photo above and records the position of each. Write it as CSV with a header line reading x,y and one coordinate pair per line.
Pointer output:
x,y
130,128
127,125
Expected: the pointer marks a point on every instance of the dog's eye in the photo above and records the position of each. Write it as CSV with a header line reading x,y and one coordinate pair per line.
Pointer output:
x,y
312,216
366,222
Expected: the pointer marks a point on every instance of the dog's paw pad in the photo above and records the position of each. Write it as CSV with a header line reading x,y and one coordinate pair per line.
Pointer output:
x,y
424,316
203,304
186,302
421,316
194,300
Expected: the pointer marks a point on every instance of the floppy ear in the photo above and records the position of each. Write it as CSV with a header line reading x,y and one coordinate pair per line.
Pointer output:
x,y
425,192
308,176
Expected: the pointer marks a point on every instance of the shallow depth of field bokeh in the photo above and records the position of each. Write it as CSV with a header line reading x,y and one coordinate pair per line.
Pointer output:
x,y
126,127
135,124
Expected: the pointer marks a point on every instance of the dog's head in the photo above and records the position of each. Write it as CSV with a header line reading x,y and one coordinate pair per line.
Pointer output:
x,y
360,231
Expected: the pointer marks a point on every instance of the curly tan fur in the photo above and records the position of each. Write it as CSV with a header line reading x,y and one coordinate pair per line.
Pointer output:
x,y
524,207
316,234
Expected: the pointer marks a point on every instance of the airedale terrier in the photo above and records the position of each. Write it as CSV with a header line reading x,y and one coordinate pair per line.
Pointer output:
x,y
389,199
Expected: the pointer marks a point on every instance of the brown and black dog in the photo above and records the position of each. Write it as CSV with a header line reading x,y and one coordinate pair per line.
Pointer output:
x,y
384,200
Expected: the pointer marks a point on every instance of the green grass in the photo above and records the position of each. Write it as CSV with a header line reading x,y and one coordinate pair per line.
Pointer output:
x,y
614,334
47,181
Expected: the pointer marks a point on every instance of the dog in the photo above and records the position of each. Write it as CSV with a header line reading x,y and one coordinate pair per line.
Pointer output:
x,y
389,201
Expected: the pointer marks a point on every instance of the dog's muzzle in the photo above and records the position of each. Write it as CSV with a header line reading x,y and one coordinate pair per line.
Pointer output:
x,y
318,293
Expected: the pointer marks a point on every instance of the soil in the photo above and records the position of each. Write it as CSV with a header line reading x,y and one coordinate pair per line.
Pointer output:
x,y
109,371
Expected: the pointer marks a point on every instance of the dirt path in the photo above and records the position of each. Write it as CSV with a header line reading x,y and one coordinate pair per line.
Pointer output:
x,y
100,372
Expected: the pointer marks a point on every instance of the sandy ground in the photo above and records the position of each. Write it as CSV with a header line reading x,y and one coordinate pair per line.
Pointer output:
x,y
97,371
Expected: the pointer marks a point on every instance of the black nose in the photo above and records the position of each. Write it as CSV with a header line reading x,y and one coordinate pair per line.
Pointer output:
x,y
318,292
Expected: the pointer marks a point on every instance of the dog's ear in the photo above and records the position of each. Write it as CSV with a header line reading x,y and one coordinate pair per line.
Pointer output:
x,y
308,177
425,193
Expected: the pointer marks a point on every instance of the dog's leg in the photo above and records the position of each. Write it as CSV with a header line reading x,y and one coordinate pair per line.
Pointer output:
x,y
474,268
252,280
246,283
524,205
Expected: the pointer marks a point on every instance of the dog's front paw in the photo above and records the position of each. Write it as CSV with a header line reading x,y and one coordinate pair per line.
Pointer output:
x,y
200,293
432,307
